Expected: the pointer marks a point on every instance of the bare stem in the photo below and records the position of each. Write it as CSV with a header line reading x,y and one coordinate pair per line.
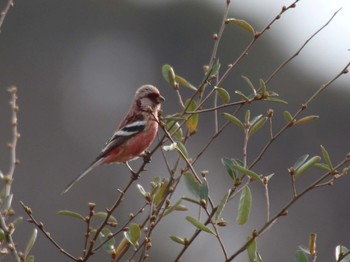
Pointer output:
x,y
4,12
40,226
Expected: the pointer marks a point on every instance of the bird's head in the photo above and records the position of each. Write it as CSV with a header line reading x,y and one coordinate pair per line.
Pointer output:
x,y
148,96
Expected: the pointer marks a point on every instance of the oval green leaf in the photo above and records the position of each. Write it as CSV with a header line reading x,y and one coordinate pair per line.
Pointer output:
x,y
233,119
300,256
199,225
192,184
133,234
247,172
249,83
326,157
224,95
204,190
310,163
31,242
245,205
222,206
185,83
111,219
70,214
305,119
182,149
256,126
287,116
193,119
178,240
108,246
241,23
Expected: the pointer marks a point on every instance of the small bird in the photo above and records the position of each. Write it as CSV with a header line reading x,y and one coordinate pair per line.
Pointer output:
x,y
135,133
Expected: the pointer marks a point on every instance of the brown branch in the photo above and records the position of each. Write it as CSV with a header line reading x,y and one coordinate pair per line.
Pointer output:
x,y
40,226
300,49
284,210
4,12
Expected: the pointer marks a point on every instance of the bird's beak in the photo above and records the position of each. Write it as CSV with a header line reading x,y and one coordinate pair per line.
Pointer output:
x,y
160,99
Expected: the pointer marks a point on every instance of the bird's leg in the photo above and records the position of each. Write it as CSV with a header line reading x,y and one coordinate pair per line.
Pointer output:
x,y
134,175
146,157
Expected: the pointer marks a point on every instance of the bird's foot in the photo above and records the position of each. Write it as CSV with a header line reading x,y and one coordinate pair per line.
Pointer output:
x,y
146,157
134,175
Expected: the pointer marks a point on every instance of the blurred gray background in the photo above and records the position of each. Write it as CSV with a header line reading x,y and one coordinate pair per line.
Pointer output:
x,y
77,65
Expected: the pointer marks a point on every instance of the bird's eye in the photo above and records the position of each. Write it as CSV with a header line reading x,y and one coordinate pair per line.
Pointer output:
x,y
153,96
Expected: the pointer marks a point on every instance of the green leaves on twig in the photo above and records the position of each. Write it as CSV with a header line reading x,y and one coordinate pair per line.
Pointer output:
x,y
175,80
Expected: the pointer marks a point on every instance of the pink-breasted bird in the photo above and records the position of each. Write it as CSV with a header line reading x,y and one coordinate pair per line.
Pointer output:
x,y
135,133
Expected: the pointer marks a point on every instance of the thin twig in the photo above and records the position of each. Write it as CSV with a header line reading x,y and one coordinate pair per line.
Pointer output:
x,y
4,12
6,195
300,49
302,108
40,226
284,210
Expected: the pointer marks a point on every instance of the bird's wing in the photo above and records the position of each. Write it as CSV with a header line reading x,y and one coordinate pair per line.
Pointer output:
x,y
118,138
122,135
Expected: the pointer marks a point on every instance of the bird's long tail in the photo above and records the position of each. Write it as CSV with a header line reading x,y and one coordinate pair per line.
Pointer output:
x,y
94,164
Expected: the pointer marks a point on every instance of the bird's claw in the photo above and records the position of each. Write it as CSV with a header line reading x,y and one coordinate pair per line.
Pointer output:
x,y
146,157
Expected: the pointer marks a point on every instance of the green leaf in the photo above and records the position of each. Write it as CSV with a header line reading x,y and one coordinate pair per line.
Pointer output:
x,y
191,200
185,83
326,157
242,96
247,172
227,162
169,74
178,240
256,126
192,184
17,221
133,234
242,24
199,225
111,219
172,208
160,194
305,120
214,70
204,190
192,121
31,242
181,148
300,256
249,83
103,236
30,259
233,119
174,129
262,87
224,95
323,167
245,205
301,160
251,250
70,214
287,116
276,100
339,253
310,163
222,206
